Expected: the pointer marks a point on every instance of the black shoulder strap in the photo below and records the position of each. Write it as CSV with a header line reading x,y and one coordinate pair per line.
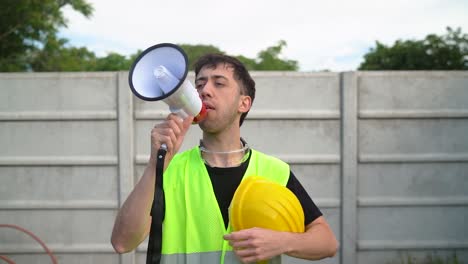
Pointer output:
x,y
153,254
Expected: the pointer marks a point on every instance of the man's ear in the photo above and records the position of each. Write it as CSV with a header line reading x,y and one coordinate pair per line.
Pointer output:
x,y
245,103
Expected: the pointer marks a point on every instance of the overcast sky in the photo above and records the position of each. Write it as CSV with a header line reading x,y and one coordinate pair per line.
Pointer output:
x,y
328,34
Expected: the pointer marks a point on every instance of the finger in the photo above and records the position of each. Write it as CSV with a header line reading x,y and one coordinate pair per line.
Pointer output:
x,y
175,126
184,124
252,259
162,135
249,255
166,133
165,139
240,243
238,235
177,119
246,252
187,123
156,137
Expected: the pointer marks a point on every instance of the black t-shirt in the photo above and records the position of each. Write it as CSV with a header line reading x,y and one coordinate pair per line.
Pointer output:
x,y
226,180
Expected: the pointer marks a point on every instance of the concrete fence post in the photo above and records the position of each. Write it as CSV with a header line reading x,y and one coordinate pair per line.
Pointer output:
x,y
349,135
125,148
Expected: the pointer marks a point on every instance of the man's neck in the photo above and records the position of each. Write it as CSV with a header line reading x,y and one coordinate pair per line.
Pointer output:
x,y
222,149
221,143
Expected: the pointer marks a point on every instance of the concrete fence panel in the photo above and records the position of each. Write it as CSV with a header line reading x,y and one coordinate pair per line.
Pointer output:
x,y
383,154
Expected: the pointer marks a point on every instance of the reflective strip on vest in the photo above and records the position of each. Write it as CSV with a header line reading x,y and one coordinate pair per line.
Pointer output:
x,y
207,258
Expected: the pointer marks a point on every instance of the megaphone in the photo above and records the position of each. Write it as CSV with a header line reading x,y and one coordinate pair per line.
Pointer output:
x,y
159,73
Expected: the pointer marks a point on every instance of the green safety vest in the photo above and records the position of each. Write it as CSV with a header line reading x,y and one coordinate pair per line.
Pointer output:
x,y
193,226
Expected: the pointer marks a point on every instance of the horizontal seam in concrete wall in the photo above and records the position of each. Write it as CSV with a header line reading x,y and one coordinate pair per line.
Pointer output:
x,y
291,159
293,74
408,158
57,248
58,160
327,203
57,204
443,74
98,204
255,74
363,245
412,114
309,159
58,115
57,75
258,114
410,244
416,201
293,114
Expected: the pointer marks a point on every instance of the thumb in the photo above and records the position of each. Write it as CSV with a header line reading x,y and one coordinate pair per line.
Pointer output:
x,y
187,123
185,127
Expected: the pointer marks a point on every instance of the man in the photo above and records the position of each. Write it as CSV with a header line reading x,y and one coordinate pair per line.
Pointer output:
x,y
199,183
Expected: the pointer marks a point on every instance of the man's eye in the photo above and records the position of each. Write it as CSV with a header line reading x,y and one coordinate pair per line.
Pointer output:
x,y
219,84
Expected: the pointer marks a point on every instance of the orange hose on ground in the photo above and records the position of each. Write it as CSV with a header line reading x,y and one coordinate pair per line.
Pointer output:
x,y
47,250
7,260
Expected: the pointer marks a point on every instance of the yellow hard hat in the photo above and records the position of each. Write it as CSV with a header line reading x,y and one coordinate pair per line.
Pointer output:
x,y
259,202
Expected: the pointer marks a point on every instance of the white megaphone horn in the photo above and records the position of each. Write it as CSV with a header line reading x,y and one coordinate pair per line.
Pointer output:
x,y
159,73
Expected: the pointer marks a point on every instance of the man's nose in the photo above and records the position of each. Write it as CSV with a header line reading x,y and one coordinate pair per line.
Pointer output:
x,y
206,90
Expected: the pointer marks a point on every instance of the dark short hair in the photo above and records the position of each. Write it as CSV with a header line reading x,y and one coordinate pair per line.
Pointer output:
x,y
247,84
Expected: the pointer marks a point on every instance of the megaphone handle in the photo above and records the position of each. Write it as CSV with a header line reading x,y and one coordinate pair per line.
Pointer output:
x,y
180,112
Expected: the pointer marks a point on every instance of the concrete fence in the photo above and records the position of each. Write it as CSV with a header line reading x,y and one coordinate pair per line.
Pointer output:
x,y
383,154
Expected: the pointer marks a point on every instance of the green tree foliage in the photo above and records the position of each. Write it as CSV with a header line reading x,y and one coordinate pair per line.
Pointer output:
x,y
55,56
113,62
268,59
29,42
250,64
194,52
447,52
26,25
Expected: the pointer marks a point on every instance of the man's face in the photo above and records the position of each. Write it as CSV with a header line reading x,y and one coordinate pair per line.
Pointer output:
x,y
222,96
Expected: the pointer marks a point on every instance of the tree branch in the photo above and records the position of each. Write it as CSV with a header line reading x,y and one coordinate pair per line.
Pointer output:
x,y
9,31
